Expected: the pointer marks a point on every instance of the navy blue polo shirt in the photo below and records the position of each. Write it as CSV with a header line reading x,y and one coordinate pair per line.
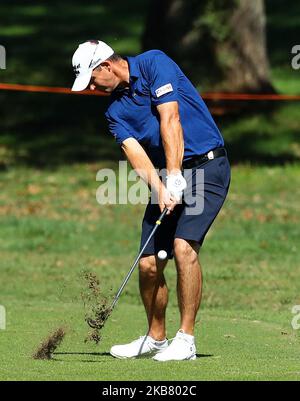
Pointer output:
x,y
155,79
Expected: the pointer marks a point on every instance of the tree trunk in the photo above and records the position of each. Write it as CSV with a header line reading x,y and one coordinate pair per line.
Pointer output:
x,y
220,44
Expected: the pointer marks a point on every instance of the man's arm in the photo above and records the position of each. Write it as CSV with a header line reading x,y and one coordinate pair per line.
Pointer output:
x,y
143,166
172,136
173,143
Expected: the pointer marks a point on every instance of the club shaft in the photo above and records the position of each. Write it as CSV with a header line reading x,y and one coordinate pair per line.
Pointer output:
x,y
157,224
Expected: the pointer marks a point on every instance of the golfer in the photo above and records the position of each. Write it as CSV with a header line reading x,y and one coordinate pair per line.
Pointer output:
x,y
160,121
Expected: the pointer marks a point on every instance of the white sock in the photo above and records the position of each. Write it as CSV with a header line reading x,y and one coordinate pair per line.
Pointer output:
x,y
156,341
189,337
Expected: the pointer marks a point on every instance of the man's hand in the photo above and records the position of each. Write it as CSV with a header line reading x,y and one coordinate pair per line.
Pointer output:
x,y
166,199
176,184
145,169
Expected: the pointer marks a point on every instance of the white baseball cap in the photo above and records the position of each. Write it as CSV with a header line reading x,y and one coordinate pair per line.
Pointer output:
x,y
87,57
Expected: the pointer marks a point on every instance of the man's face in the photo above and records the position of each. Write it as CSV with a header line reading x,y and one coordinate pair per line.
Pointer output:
x,y
103,78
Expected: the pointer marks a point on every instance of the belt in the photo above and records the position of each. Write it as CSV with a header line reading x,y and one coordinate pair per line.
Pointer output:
x,y
199,159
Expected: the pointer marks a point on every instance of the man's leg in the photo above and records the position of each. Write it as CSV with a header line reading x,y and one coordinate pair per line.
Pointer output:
x,y
189,282
154,293
189,286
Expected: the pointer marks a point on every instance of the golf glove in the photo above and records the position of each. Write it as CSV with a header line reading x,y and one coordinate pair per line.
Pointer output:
x,y
176,184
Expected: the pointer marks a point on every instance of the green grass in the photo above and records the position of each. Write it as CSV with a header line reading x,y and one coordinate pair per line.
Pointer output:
x,y
52,228
286,80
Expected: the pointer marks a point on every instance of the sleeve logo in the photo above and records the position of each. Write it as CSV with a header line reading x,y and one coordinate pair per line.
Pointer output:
x,y
163,90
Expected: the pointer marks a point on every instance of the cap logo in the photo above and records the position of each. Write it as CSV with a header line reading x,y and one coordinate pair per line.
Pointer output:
x,y
76,69
94,62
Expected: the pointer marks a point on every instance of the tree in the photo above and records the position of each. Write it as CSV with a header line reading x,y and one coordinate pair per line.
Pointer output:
x,y
220,44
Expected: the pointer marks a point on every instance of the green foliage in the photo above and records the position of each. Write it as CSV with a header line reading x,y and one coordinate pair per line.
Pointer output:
x,y
214,18
282,30
40,37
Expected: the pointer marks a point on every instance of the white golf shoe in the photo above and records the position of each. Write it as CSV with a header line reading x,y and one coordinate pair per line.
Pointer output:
x,y
142,346
181,348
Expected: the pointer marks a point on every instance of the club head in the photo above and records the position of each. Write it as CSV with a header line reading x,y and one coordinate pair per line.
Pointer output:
x,y
100,319
94,324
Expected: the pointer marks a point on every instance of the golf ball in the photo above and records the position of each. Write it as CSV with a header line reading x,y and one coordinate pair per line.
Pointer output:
x,y
162,255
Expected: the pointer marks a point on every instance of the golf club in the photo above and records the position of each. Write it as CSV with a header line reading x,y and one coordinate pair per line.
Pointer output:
x,y
105,314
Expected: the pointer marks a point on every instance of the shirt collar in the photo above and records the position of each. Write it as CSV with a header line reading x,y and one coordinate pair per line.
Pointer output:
x,y
133,68
133,75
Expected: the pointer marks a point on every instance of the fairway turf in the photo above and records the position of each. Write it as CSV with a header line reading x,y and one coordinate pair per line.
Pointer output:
x,y
52,229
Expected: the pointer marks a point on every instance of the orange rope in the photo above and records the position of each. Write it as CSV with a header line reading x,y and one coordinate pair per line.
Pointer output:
x,y
206,96
48,89
248,96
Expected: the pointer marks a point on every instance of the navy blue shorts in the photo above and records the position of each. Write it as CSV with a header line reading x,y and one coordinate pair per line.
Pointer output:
x,y
207,188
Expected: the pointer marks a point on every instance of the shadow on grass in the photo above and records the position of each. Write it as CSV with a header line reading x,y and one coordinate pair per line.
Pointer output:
x,y
107,354
53,130
100,354
83,353
265,134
